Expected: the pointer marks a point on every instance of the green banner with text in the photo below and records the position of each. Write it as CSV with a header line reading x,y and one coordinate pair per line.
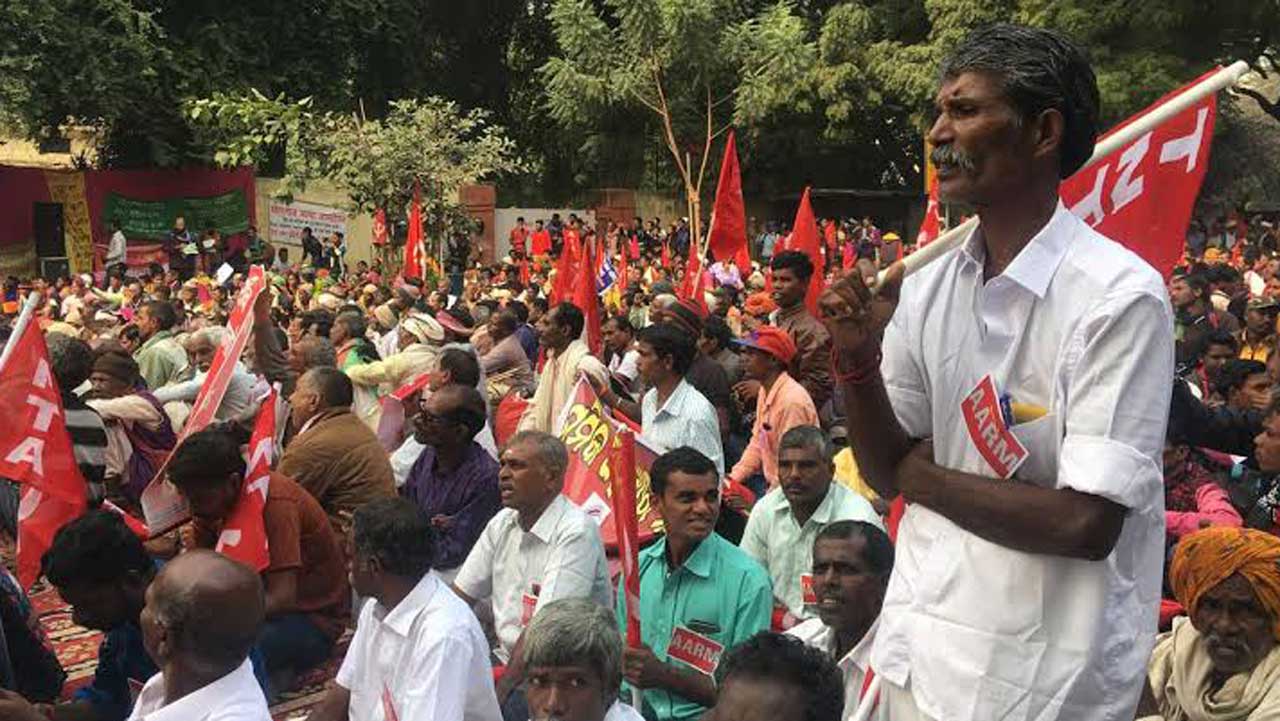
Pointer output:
x,y
228,213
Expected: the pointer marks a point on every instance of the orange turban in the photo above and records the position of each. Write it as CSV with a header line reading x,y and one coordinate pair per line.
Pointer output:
x,y
759,304
1208,557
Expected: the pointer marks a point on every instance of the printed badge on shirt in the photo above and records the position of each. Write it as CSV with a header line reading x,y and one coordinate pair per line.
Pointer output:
x,y
808,594
695,649
529,603
1002,451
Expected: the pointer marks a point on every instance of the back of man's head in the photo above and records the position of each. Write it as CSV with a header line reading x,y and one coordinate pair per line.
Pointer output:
x,y
462,365
210,608
71,360
206,459
396,533
331,385
96,548
465,404
781,677
164,314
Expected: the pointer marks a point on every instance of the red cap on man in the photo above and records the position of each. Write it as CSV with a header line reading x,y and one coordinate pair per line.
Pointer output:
x,y
772,340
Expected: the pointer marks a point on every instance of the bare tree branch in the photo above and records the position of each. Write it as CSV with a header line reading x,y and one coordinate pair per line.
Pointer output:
x,y
1267,106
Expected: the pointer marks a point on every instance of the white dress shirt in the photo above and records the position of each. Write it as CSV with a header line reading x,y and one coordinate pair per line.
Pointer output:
x,y
234,697
785,549
686,419
561,556
427,656
1082,327
853,666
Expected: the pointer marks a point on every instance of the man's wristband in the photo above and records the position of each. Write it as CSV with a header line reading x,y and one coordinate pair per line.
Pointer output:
x,y
861,374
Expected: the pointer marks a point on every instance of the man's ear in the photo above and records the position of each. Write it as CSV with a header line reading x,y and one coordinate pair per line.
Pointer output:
x,y
1048,128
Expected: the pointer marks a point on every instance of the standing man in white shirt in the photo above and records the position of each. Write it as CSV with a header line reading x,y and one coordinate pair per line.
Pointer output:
x,y
202,617
784,523
851,565
418,652
1026,584
538,549
117,248
573,659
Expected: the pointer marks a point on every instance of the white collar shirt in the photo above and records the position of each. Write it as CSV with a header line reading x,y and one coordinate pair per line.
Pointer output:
x,y
427,658
1081,327
785,548
687,418
234,697
560,556
853,666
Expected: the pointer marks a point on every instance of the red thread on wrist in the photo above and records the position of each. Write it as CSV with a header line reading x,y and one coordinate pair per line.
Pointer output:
x,y
861,374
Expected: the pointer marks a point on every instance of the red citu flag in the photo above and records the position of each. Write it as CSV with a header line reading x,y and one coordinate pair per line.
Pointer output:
x,y
244,536
414,248
805,238
931,226
566,264
1142,195
728,236
379,227
622,496
35,446
586,298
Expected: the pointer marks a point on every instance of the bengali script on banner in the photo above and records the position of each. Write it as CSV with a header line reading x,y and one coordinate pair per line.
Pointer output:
x,y
589,434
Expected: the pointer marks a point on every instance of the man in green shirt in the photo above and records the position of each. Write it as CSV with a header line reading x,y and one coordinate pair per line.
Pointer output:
x,y
161,360
699,594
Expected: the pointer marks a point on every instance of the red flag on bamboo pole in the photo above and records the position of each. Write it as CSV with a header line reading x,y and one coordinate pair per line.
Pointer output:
x,y
586,298
931,226
728,237
623,498
805,238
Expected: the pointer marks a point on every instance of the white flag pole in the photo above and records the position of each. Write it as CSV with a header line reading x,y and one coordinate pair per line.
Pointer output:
x,y
1224,78
20,326
869,699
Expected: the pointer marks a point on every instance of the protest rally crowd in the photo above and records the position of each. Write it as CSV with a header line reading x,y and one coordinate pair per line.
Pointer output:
x,y
1033,480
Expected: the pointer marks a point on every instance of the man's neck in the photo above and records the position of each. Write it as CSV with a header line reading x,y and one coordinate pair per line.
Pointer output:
x,y
529,516
847,638
450,456
768,381
802,512
393,591
1255,338
667,386
183,678
679,550
1008,227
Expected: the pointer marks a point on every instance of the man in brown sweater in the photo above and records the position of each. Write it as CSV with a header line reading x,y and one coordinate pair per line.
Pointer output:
x,y
333,454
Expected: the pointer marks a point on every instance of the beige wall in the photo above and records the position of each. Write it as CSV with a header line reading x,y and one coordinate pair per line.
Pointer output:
x,y
359,226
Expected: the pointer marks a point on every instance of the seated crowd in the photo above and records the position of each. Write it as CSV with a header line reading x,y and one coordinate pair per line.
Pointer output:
x,y
422,542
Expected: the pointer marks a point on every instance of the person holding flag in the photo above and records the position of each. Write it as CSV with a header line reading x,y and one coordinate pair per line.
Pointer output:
x,y
1028,565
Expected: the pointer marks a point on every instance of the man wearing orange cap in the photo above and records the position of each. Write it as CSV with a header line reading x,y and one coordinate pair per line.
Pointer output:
x,y
1222,663
781,405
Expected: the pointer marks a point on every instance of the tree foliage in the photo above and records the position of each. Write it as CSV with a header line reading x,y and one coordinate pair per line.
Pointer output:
x,y
696,65
430,143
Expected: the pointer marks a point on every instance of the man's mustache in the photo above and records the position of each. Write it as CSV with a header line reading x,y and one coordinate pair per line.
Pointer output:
x,y
949,155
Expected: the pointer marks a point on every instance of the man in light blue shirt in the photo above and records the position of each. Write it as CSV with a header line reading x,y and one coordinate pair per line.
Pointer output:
x,y
784,524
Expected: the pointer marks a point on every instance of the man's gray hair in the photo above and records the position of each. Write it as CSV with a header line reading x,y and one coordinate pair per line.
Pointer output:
x,y
550,450
317,352
808,437
576,632
214,335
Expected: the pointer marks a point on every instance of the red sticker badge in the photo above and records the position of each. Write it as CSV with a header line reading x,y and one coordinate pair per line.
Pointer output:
x,y
810,596
695,649
1000,448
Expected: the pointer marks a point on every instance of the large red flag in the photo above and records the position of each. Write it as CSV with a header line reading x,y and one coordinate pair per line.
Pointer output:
x,y
380,227
566,265
162,505
805,238
415,265
244,536
728,236
622,498
931,226
587,298
1142,195
35,447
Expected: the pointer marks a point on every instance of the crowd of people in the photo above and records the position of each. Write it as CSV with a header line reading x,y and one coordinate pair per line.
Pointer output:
x,y
830,521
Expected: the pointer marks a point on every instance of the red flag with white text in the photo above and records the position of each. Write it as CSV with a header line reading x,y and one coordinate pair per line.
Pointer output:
x,y
623,501
244,535
1142,196
162,505
35,446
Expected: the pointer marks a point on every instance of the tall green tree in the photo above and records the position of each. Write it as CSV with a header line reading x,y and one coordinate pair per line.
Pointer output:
x,y
696,66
